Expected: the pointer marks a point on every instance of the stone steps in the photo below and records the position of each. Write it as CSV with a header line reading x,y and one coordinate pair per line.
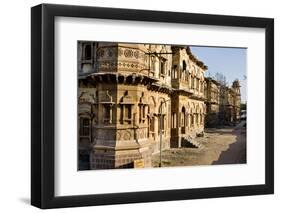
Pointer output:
x,y
190,142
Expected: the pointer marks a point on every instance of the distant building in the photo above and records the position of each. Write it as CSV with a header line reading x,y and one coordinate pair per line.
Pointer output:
x,y
230,100
212,94
222,103
131,95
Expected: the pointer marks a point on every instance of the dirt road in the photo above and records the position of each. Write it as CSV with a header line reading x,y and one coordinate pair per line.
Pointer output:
x,y
220,146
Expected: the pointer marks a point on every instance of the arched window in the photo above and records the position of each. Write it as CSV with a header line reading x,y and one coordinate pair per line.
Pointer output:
x,y
142,113
183,120
174,120
186,76
189,80
107,114
152,122
188,120
192,82
152,64
162,67
162,113
88,52
84,126
183,65
174,76
197,119
183,116
128,113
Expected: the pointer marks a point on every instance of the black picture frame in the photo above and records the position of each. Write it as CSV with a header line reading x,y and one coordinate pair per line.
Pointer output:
x,y
43,105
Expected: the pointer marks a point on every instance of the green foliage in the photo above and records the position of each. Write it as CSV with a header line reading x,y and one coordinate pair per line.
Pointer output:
x,y
243,106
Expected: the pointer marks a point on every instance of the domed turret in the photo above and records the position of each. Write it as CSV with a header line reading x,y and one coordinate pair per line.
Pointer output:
x,y
236,86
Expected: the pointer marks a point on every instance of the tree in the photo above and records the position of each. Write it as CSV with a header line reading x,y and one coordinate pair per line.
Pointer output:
x,y
221,79
243,106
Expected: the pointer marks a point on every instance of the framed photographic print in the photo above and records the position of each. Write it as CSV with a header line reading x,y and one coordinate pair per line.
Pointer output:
x,y
139,106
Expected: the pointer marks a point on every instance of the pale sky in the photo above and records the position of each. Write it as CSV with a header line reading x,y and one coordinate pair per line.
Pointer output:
x,y
231,62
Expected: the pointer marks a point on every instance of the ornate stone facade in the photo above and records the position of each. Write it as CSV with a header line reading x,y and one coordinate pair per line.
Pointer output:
x,y
131,96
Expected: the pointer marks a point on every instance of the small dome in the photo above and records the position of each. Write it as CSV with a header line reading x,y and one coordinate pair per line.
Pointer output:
x,y
236,83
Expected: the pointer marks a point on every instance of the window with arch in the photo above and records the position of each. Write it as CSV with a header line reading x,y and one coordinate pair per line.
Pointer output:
x,y
107,114
183,65
193,79
162,67
87,52
162,113
183,117
84,126
183,123
189,79
174,120
174,72
142,113
153,64
127,117
151,125
188,119
192,119
202,87
151,120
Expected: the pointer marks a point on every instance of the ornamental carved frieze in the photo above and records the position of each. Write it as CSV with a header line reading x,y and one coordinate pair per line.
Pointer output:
x,y
107,52
141,133
121,59
100,53
119,135
127,135
110,52
120,66
131,53
124,135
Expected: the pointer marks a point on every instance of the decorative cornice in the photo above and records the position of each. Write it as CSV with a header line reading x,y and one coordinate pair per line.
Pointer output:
x,y
120,78
195,59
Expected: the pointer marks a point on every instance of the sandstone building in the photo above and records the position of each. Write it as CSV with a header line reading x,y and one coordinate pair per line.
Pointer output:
x,y
132,96
222,103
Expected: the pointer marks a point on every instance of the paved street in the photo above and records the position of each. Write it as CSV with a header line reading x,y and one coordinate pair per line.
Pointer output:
x,y
220,146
